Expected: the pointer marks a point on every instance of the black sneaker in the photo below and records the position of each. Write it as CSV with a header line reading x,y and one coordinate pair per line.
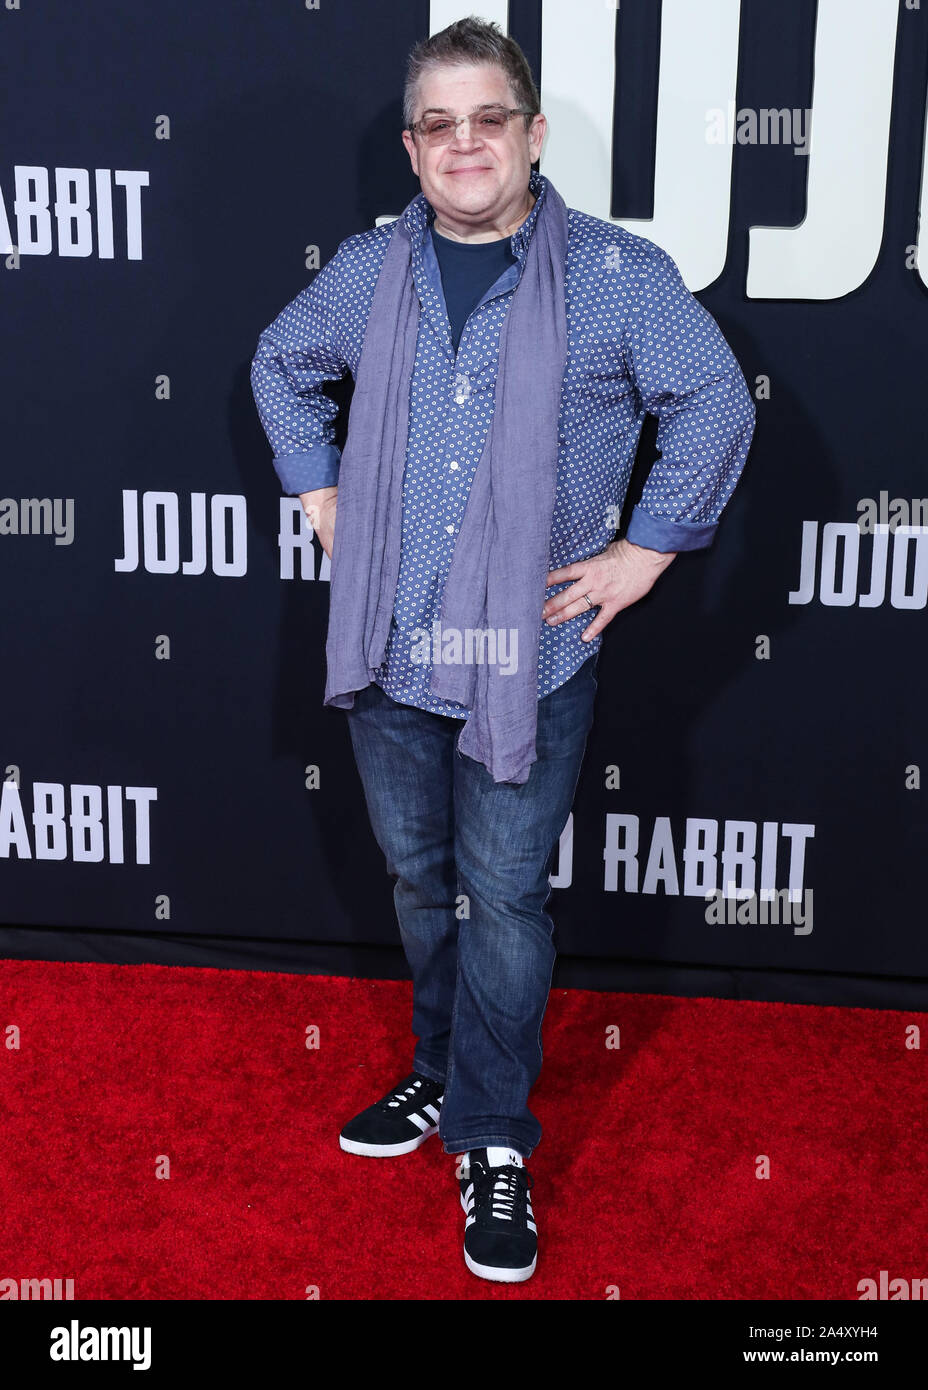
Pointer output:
x,y
500,1236
405,1118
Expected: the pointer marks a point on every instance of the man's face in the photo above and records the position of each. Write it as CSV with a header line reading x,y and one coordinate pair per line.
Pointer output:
x,y
473,178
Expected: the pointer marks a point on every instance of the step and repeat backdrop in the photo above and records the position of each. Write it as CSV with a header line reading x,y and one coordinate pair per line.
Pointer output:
x,y
170,177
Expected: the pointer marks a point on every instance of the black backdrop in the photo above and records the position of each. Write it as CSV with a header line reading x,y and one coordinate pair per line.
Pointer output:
x,y
266,129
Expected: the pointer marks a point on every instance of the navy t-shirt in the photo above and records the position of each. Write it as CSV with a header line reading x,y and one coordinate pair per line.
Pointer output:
x,y
468,269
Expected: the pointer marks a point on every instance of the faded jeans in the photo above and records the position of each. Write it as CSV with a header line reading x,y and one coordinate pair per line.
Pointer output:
x,y
481,963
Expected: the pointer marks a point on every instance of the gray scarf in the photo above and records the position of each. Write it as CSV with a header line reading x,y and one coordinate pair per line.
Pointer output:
x,y
499,568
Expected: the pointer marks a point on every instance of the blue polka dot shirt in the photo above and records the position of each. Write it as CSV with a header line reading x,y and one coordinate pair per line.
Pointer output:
x,y
638,343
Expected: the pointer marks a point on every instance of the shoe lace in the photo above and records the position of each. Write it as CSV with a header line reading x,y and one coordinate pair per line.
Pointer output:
x,y
402,1096
496,1189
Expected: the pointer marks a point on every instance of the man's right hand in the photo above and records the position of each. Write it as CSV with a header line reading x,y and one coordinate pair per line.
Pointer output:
x,y
319,506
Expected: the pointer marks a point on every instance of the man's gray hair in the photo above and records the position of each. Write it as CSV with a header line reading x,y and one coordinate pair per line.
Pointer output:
x,y
469,41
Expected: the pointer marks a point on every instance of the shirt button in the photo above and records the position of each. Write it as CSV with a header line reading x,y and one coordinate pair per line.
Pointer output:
x,y
453,464
450,530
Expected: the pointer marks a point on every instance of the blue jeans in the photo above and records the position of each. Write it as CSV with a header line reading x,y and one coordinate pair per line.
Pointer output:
x,y
481,963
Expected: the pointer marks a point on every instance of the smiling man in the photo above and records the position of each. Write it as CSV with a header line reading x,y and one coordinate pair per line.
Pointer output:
x,y
505,350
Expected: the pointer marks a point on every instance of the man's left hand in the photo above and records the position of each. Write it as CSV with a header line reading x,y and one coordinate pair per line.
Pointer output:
x,y
615,579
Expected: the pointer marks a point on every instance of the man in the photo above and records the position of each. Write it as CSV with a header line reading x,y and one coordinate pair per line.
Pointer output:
x,y
511,349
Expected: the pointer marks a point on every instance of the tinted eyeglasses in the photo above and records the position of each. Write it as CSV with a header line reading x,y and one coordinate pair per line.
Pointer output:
x,y
489,122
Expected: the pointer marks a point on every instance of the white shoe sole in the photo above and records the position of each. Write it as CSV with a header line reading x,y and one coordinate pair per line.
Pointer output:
x,y
355,1146
494,1272
500,1276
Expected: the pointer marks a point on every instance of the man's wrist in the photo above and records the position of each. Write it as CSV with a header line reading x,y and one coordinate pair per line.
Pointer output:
x,y
654,557
312,503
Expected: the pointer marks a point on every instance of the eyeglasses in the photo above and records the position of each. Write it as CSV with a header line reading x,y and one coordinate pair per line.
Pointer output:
x,y
490,122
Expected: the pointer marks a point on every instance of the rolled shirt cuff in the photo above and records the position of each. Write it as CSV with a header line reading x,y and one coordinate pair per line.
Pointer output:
x,y
656,533
307,472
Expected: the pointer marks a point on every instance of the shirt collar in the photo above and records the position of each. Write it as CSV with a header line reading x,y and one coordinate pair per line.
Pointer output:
x,y
420,215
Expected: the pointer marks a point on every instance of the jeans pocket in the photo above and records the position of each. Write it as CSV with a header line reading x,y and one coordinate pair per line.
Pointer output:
x,y
595,666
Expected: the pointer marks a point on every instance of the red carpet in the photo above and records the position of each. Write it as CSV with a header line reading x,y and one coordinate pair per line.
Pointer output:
x,y
644,1178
